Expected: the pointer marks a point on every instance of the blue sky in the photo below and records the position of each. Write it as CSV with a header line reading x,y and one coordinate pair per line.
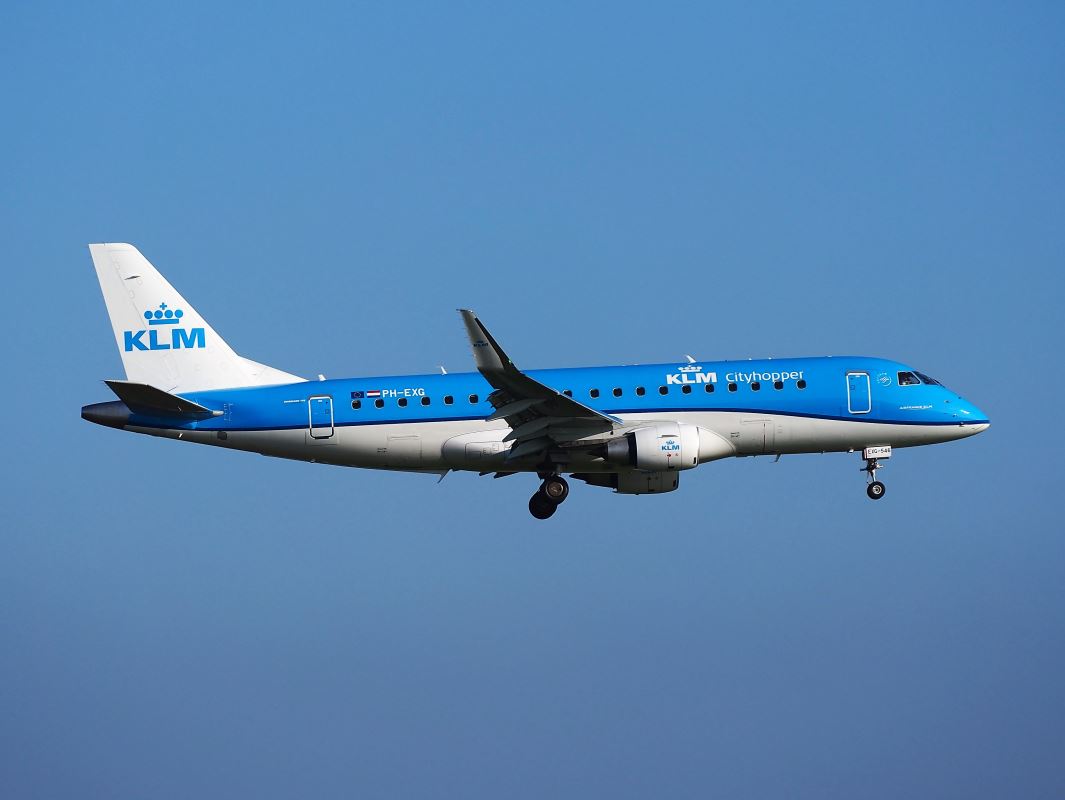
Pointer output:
x,y
604,184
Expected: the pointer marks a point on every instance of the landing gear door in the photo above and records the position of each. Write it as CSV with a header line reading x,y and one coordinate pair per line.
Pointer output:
x,y
320,417
859,400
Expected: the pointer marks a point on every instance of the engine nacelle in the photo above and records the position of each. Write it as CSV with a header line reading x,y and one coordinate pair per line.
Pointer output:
x,y
663,448
667,447
633,481
646,482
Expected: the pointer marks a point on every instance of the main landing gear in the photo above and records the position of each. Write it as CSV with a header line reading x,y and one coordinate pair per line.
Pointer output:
x,y
872,456
552,492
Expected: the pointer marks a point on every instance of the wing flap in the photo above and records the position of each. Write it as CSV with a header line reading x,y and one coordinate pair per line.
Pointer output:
x,y
528,448
513,409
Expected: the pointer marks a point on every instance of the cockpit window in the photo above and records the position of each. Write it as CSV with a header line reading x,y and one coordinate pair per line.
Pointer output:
x,y
907,379
925,379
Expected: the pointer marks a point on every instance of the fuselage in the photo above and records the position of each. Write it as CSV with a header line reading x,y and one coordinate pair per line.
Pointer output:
x,y
439,422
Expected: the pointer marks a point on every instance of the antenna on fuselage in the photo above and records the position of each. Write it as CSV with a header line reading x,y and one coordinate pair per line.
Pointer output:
x,y
442,370
690,359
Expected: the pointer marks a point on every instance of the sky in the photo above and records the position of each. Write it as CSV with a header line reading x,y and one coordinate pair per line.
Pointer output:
x,y
603,183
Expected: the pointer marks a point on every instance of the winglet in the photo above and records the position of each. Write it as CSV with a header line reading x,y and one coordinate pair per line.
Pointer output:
x,y
487,353
497,368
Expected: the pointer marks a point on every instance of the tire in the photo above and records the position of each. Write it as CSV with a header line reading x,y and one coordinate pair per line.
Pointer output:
x,y
555,489
540,507
875,490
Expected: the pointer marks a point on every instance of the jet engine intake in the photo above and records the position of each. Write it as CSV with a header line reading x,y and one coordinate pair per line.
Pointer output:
x,y
667,447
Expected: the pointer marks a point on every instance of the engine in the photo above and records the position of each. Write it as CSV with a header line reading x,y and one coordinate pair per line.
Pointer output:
x,y
667,447
632,481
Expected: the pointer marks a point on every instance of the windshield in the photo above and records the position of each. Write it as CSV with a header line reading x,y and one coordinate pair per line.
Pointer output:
x,y
925,379
908,379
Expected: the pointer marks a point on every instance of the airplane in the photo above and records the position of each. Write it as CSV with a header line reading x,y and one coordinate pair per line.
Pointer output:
x,y
632,429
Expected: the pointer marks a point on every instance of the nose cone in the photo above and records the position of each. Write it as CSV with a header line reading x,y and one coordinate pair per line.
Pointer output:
x,y
113,414
972,419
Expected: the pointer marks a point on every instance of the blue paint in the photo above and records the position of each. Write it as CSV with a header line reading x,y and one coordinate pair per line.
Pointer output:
x,y
824,396
180,339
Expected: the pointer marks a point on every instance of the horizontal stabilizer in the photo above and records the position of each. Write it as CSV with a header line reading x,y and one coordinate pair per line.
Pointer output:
x,y
141,398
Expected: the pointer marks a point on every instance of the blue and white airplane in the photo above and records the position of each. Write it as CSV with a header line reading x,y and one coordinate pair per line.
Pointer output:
x,y
633,429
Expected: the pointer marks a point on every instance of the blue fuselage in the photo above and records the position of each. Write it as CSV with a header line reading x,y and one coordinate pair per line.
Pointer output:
x,y
799,387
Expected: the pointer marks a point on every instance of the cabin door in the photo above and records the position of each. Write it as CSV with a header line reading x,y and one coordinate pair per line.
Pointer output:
x,y
858,397
320,417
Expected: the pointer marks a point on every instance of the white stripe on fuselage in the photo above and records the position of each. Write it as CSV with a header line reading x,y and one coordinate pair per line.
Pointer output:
x,y
435,446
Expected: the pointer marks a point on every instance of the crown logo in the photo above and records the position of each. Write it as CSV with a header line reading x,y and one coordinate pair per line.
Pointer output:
x,y
691,368
164,315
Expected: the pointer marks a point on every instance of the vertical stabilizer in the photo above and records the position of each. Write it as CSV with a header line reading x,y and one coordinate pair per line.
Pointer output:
x,y
162,339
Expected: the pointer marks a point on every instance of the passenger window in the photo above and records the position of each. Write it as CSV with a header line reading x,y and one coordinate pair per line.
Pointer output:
x,y
686,389
732,387
473,398
356,404
617,392
567,392
778,385
593,393
379,403
403,402
908,379
755,386
640,391
663,390
426,401
448,399
800,383
709,388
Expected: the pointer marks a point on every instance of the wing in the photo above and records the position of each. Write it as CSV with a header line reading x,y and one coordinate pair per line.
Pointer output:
x,y
538,415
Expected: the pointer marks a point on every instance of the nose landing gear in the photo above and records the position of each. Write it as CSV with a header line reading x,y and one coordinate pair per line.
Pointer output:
x,y
551,494
872,456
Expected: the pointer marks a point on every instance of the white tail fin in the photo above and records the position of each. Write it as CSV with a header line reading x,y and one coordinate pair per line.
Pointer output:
x,y
163,341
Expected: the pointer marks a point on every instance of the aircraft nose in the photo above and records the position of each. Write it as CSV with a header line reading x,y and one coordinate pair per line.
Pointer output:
x,y
974,421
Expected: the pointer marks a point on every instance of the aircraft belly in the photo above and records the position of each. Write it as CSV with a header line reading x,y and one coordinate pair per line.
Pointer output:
x,y
756,434
477,444
404,447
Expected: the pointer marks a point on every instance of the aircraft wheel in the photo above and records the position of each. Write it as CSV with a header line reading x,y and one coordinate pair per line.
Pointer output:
x,y
555,489
875,490
540,507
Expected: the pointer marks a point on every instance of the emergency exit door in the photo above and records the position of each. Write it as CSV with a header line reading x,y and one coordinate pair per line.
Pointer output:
x,y
858,397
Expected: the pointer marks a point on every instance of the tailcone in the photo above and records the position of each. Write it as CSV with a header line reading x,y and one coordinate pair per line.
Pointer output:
x,y
112,415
